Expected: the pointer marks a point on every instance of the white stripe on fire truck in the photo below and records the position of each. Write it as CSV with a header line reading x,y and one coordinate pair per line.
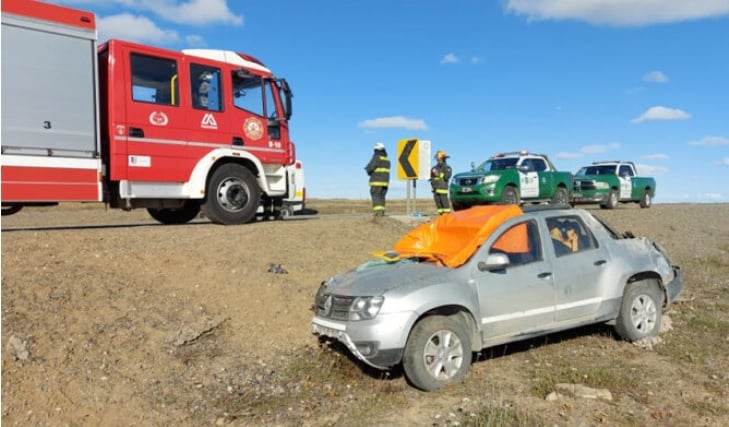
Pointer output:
x,y
50,162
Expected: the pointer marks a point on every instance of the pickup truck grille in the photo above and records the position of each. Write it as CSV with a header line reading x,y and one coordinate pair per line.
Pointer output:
x,y
333,306
582,185
471,180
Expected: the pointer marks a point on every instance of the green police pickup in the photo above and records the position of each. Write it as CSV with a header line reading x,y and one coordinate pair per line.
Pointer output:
x,y
511,178
610,183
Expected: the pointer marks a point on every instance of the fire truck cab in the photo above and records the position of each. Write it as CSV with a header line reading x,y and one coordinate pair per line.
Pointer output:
x,y
136,126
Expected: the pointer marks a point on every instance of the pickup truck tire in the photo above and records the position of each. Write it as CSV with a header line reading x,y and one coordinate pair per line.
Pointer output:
x,y
612,200
183,215
641,311
510,196
645,200
560,196
459,206
232,195
437,353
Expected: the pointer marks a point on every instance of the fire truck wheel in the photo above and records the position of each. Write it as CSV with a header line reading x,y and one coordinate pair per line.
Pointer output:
x,y
11,209
232,196
182,215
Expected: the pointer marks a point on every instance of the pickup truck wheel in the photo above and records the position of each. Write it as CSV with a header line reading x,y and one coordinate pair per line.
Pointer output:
x,y
459,206
438,353
641,311
510,196
645,201
183,215
560,196
612,200
232,195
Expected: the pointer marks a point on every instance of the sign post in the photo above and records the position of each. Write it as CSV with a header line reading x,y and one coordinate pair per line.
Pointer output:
x,y
413,163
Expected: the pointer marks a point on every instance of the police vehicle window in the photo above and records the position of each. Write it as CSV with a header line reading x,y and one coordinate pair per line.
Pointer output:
x,y
248,92
625,171
539,165
520,243
570,235
205,87
154,80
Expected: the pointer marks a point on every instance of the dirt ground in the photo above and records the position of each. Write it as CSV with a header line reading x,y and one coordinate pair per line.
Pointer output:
x,y
111,319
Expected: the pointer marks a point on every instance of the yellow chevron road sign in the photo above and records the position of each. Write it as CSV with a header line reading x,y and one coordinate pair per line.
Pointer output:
x,y
413,159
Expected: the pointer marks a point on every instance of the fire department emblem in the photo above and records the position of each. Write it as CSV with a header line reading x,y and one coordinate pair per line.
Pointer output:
x,y
253,128
158,118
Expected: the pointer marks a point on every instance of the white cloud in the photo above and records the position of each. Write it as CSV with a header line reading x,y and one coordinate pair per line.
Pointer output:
x,y
648,170
134,28
397,122
661,113
567,156
195,40
655,77
713,196
724,161
476,60
450,58
599,148
655,157
191,12
711,141
619,12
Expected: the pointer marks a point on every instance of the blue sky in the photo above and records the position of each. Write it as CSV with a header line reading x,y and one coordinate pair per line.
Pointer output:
x,y
580,81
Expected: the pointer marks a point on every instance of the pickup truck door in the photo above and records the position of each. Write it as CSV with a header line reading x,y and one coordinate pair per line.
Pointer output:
x,y
518,299
580,277
625,175
528,180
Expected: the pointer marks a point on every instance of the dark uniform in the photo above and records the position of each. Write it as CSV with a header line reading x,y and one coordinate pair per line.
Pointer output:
x,y
439,177
379,171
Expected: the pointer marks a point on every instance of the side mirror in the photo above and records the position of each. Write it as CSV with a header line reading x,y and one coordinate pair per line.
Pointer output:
x,y
494,262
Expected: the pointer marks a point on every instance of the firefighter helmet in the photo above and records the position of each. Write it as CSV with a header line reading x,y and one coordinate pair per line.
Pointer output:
x,y
379,146
440,154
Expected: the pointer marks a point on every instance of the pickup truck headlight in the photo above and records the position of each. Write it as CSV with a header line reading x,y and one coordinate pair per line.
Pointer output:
x,y
365,308
602,185
490,179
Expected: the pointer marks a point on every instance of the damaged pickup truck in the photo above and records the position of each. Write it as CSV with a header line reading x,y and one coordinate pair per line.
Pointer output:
x,y
491,275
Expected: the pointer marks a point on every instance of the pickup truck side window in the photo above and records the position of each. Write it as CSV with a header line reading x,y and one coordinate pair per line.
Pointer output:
x,y
205,87
154,80
520,243
248,92
539,165
625,170
570,235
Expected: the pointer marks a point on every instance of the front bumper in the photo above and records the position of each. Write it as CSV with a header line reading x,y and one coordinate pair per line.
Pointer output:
x,y
379,342
675,286
591,197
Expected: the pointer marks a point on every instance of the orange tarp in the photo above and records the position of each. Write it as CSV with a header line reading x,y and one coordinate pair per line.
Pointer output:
x,y
453,238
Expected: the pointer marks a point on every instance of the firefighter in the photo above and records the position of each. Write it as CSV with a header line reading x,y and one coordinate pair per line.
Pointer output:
x,y
379,171
439,176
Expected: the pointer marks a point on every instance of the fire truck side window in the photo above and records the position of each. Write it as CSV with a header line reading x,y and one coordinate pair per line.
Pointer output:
x,y
248,92
205,87
154,80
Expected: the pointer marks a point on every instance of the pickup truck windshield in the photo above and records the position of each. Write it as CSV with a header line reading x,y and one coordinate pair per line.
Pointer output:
x,y
597,170
497,164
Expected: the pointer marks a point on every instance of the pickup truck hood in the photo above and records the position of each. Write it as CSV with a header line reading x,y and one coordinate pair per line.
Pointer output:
x,y
378,277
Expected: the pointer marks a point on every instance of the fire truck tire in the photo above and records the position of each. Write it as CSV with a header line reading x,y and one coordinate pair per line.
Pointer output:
x,y
183,215
232,196
11,209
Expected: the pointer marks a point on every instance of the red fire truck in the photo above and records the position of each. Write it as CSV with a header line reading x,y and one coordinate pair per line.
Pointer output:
x,y
135,126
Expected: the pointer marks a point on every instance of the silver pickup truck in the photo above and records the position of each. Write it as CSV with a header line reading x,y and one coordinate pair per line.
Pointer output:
x,y
490,275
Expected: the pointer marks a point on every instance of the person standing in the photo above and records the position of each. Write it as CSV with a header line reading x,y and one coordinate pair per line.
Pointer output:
x,y
439,177
379,171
